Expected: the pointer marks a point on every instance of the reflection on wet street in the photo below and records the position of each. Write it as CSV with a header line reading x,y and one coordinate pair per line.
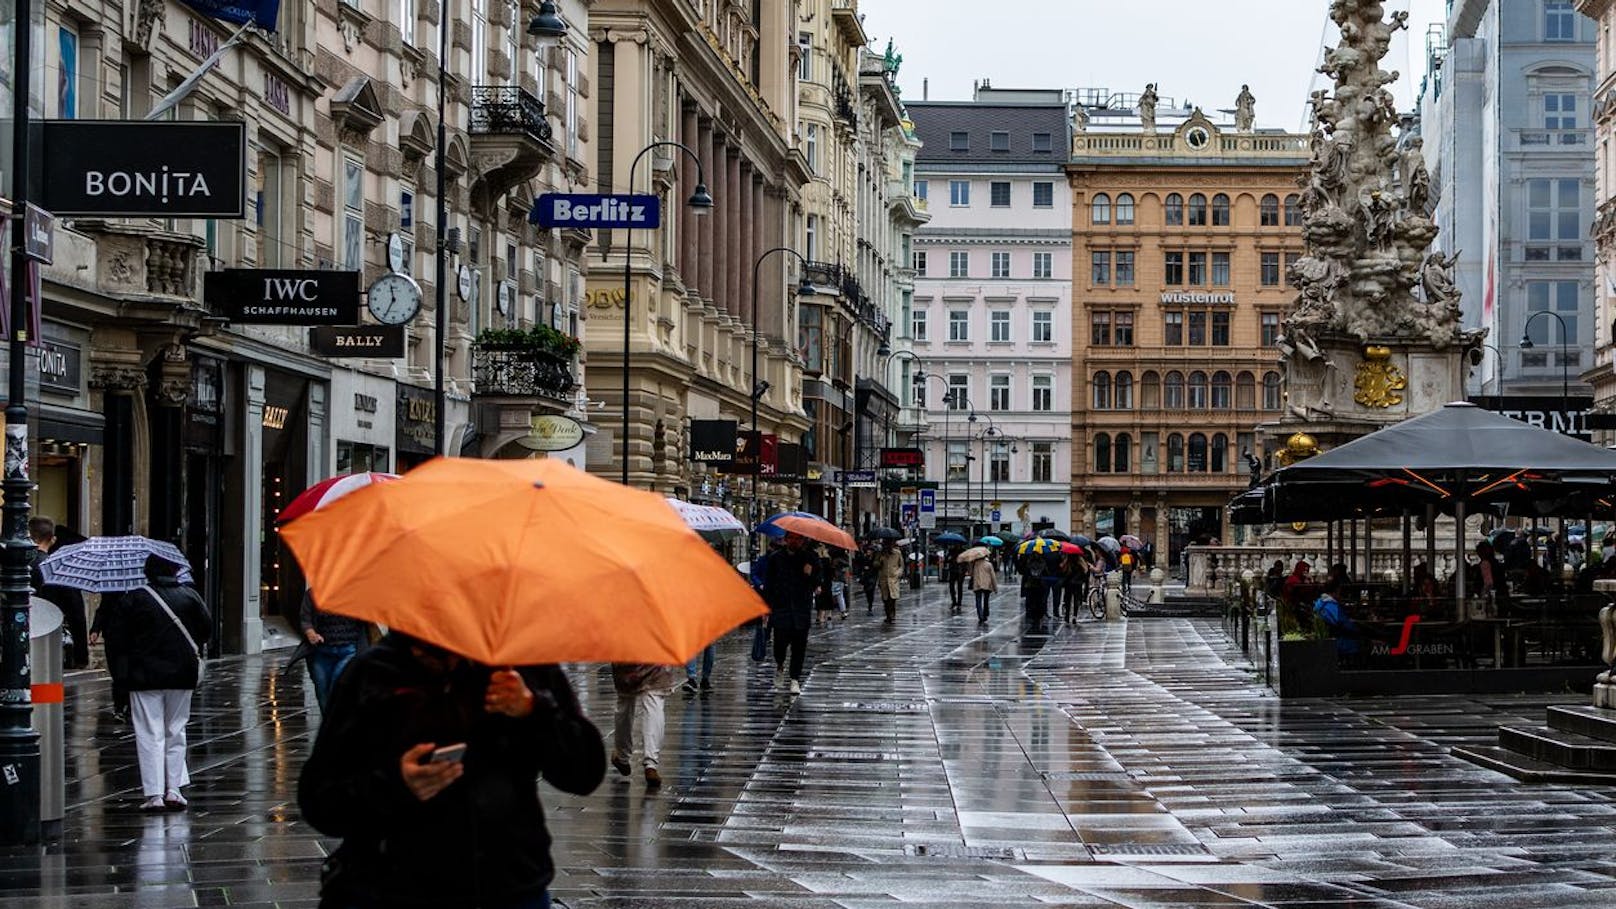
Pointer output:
x,y
1136,764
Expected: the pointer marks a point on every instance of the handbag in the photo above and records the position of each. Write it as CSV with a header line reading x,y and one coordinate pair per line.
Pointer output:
x,y
760,643
200,661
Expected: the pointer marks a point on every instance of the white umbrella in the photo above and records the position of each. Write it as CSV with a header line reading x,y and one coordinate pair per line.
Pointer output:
x,y
708,519
972,554
109,564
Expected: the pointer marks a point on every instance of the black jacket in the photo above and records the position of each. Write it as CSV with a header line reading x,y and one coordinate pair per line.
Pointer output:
x,y
789,590
479,842
150,653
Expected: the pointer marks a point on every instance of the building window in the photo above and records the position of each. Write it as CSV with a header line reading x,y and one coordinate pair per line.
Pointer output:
x,y
1000,463
406,230
1197,271
1102,453
811,339
513,39
917,325
1197,386
999,141
1220,210
959,141
1150,390
959,325
810,237
1559,21
1560,297
1102,391
1220,329
1122,390
479,40
1043,195
1245,392
1121,453
1222,390
1043,461
1173,210
1220,453
353,213
67,82
919,257
1043,326
1271,393
1173,268
1293,210
805,60
1270,329
1196,462
273,180
999,325
1043,265
811,132
1175,453
1100,268
959,265
1173,328
1100,209
1124,335
1043,393
1125,208
1173,391
1197,210
959,460
1268,211
1559,110
1100,329
999,392
1291,259
1041,142
922,189
1270,269
1554,209
1220,269
1124,272
1197,328
1001,265
999,194
959,193
959,392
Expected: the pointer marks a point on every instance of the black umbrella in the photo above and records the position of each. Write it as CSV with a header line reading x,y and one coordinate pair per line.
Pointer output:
x,y
885,533
1057,535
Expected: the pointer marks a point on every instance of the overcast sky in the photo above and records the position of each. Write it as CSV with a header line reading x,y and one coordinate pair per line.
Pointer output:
x,y
1199,50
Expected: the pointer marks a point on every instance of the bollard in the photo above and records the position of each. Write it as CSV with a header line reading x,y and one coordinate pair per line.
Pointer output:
x,y
45,657
1158,594
1113,596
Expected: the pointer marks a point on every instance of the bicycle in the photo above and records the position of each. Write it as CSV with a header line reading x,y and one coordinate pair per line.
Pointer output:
x,y
1127,602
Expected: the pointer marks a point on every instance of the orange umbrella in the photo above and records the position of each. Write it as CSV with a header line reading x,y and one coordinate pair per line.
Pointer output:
x,y
518,562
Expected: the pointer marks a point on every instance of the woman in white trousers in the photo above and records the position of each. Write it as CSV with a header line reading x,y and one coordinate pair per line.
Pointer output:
x,y
642,695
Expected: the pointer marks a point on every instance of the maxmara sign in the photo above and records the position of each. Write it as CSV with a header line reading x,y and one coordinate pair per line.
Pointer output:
x,y
1182,297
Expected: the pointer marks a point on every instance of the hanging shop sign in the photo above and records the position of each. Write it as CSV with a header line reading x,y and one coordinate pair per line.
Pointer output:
x,y
714,442
417,424
39,234
756,453
551,432
376,341
791,464
902,457
590,211
279,296
857,479
159,169
60,368
1567,416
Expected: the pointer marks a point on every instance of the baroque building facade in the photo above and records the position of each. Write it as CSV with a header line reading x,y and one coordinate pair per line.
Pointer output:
x,y
1602,374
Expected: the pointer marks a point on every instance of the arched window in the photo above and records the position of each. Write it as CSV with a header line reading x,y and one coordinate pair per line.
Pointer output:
x,y
1270,391
1102,453
1197,454
1173,210
1197,210
1293,210
1124,208
1100,209
1102,391
1220,210
1220,453
1150,391
1173,391
1175,453
1198,386
1220,390
1122,453
1268,211
1245,391
1124,390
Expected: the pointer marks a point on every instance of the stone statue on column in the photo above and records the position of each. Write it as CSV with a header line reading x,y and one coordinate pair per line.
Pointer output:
x,y
1245,110
1147,108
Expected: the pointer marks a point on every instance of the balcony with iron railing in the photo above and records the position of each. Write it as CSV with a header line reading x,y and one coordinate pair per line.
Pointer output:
x,y
525,364
510,137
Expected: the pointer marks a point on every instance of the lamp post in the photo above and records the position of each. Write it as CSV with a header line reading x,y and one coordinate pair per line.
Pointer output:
x,y
549,29
19,744
948,400
1526,344
1498,377
700,204
804,289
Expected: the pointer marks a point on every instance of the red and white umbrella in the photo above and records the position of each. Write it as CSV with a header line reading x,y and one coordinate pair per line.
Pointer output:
x,y
329,490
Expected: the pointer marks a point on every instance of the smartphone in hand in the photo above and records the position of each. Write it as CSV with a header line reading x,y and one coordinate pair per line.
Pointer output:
x,y
448,754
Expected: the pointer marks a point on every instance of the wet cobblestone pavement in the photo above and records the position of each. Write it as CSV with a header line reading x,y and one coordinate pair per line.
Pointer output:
x,y
1137,764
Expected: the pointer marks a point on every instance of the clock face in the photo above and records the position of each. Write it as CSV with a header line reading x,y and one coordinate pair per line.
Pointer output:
x,y
1197,137
394,299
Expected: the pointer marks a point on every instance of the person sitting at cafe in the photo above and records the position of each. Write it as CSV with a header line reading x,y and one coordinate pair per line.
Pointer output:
x,y
1336,621
1422,589
1535,580
1298,577
1491,572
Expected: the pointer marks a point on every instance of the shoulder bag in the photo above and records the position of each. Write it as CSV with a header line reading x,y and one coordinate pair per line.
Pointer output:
x,y
163,604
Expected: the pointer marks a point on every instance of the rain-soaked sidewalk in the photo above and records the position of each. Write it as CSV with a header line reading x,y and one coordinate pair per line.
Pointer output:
x,y
1134,764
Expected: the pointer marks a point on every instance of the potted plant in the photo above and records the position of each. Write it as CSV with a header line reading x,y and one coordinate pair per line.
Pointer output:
x,y
1307,659
539,337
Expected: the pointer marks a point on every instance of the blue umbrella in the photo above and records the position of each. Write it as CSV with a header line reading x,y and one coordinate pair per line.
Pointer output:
x,y
991,541
1081,540
948,537
109,564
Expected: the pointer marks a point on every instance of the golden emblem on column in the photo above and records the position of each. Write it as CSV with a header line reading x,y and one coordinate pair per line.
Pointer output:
x,y
1379,380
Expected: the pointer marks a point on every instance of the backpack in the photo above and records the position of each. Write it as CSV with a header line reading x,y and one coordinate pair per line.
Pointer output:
x,y
1127,559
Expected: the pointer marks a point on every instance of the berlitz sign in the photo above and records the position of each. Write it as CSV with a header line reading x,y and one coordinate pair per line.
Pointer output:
x,y
278,296
163,169
1181,297
590,211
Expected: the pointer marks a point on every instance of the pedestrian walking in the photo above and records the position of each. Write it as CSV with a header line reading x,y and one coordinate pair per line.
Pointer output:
x,y
48,537
984,583
640,720
329,642
161,628
1035,588
426,767
705,662
889,572
864,567
795,575
840,579
1127,562
956,578
1074,585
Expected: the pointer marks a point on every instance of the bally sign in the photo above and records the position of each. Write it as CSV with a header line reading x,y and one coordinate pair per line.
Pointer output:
x,y
284,296
590,211
162,169
378,341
